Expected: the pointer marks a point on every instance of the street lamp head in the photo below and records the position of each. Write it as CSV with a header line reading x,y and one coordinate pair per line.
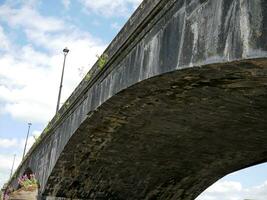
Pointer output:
x,y
29,124
66,50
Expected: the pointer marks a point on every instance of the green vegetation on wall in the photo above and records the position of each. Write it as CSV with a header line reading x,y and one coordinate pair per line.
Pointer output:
x,y
102,60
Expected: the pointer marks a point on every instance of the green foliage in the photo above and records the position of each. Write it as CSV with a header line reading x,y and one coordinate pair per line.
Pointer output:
x,y
26,182
102,60
88,77
47,128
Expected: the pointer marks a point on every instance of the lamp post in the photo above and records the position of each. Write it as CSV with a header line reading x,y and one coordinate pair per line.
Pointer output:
x,y
11,172
65,51
29,126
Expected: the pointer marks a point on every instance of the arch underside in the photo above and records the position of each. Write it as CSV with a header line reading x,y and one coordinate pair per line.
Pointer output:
x,y
168,137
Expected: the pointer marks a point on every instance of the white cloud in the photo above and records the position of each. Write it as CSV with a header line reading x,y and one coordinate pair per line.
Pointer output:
x,y
226,187
231,190
116,26
111,7
11,143
30,3
257,192
4,42
27,17
15,146
66,4
36,133
6,162
29,80
8,143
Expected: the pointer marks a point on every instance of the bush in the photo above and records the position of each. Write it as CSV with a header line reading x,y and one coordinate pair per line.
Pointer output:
x,y
102,60
26,182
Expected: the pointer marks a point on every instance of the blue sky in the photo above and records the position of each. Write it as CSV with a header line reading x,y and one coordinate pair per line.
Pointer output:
x,y
32,36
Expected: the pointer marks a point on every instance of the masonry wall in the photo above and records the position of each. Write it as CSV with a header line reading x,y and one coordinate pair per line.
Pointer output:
x,y
162,36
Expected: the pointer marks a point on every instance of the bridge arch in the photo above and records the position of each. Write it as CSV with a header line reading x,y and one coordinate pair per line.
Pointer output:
x,y
168,137
157,121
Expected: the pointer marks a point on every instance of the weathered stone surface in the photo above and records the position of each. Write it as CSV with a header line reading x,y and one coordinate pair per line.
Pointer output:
x,y
169,137
180,103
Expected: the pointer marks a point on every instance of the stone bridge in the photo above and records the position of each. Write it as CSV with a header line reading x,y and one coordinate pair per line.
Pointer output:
x,y
180,103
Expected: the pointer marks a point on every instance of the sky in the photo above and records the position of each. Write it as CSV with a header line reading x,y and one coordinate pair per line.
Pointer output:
x,y
33,34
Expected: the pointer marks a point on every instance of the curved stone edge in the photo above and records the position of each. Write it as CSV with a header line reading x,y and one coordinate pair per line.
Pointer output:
x,y
149,45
